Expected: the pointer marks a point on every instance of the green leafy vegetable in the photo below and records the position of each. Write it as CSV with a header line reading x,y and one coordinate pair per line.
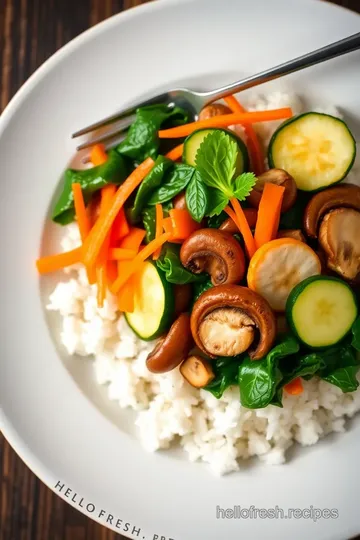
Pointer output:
x,y
151,182
298,366
142,139
356,334
341,366
216,162
215,221
196,197
175,182
226,374
169,262
258,380
149,219
217,201
113,171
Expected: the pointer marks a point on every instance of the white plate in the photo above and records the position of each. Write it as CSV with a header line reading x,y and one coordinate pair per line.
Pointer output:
x,y
52,413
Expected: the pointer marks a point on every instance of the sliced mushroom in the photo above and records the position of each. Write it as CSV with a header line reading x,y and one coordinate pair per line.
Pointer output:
x,y
197,371
339,236
215,252
229,319
214,109
296,234
343,196
183,295
279,177
172,349
229,226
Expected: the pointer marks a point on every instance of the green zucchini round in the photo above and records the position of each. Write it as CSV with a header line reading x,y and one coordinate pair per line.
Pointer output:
x,y
154,304
192,144
321,311
317,149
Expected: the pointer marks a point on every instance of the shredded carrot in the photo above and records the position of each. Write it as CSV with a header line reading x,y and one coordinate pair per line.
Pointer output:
x,y
107,193
239,218
268,214
111,272
83,222
98,156
126,296
120,228
168,228
101,280
253,144
133,239
136,263
295,387
122,254
51,263
182,223
226,120
175,153
159,227
103,225
82,217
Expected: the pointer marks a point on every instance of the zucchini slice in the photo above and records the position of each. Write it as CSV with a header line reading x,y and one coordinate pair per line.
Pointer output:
x,y
317,149
193,141
321,311
154,304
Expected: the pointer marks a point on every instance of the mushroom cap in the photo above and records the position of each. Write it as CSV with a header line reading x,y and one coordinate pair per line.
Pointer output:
x,y
279,177
247,302
216,252
339,236
341,196
173,348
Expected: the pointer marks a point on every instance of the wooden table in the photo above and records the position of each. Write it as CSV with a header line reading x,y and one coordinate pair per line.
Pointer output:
x,y
30,32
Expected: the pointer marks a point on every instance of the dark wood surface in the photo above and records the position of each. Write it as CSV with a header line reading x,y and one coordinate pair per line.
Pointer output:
x,y
30,32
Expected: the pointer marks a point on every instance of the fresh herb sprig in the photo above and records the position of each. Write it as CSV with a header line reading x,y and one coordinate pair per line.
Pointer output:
x,y
216,162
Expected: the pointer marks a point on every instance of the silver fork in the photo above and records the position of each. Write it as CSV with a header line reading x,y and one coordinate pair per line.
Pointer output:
x,y
194,101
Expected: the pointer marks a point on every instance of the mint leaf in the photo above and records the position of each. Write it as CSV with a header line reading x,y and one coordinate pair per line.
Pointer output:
x,y
196,197
243,185
216,160
216,202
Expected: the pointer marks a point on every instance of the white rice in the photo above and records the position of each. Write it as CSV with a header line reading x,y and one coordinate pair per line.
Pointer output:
x,y
218,432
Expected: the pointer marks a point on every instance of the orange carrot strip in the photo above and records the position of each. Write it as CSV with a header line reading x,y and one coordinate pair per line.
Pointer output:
x,y
103,225
120,228
244,228
51,263
168,228
159,216
175,153
126,296
136,263
98,156
82,217
226,120
295,387
133,239
111,272
101,280
122,254
83,222
183,224
253,144
107,193
268,214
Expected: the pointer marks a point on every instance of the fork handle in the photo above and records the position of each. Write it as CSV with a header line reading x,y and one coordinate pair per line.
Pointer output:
x,y
344,46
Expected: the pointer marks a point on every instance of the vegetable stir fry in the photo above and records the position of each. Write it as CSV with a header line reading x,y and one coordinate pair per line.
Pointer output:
x,y
244,275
